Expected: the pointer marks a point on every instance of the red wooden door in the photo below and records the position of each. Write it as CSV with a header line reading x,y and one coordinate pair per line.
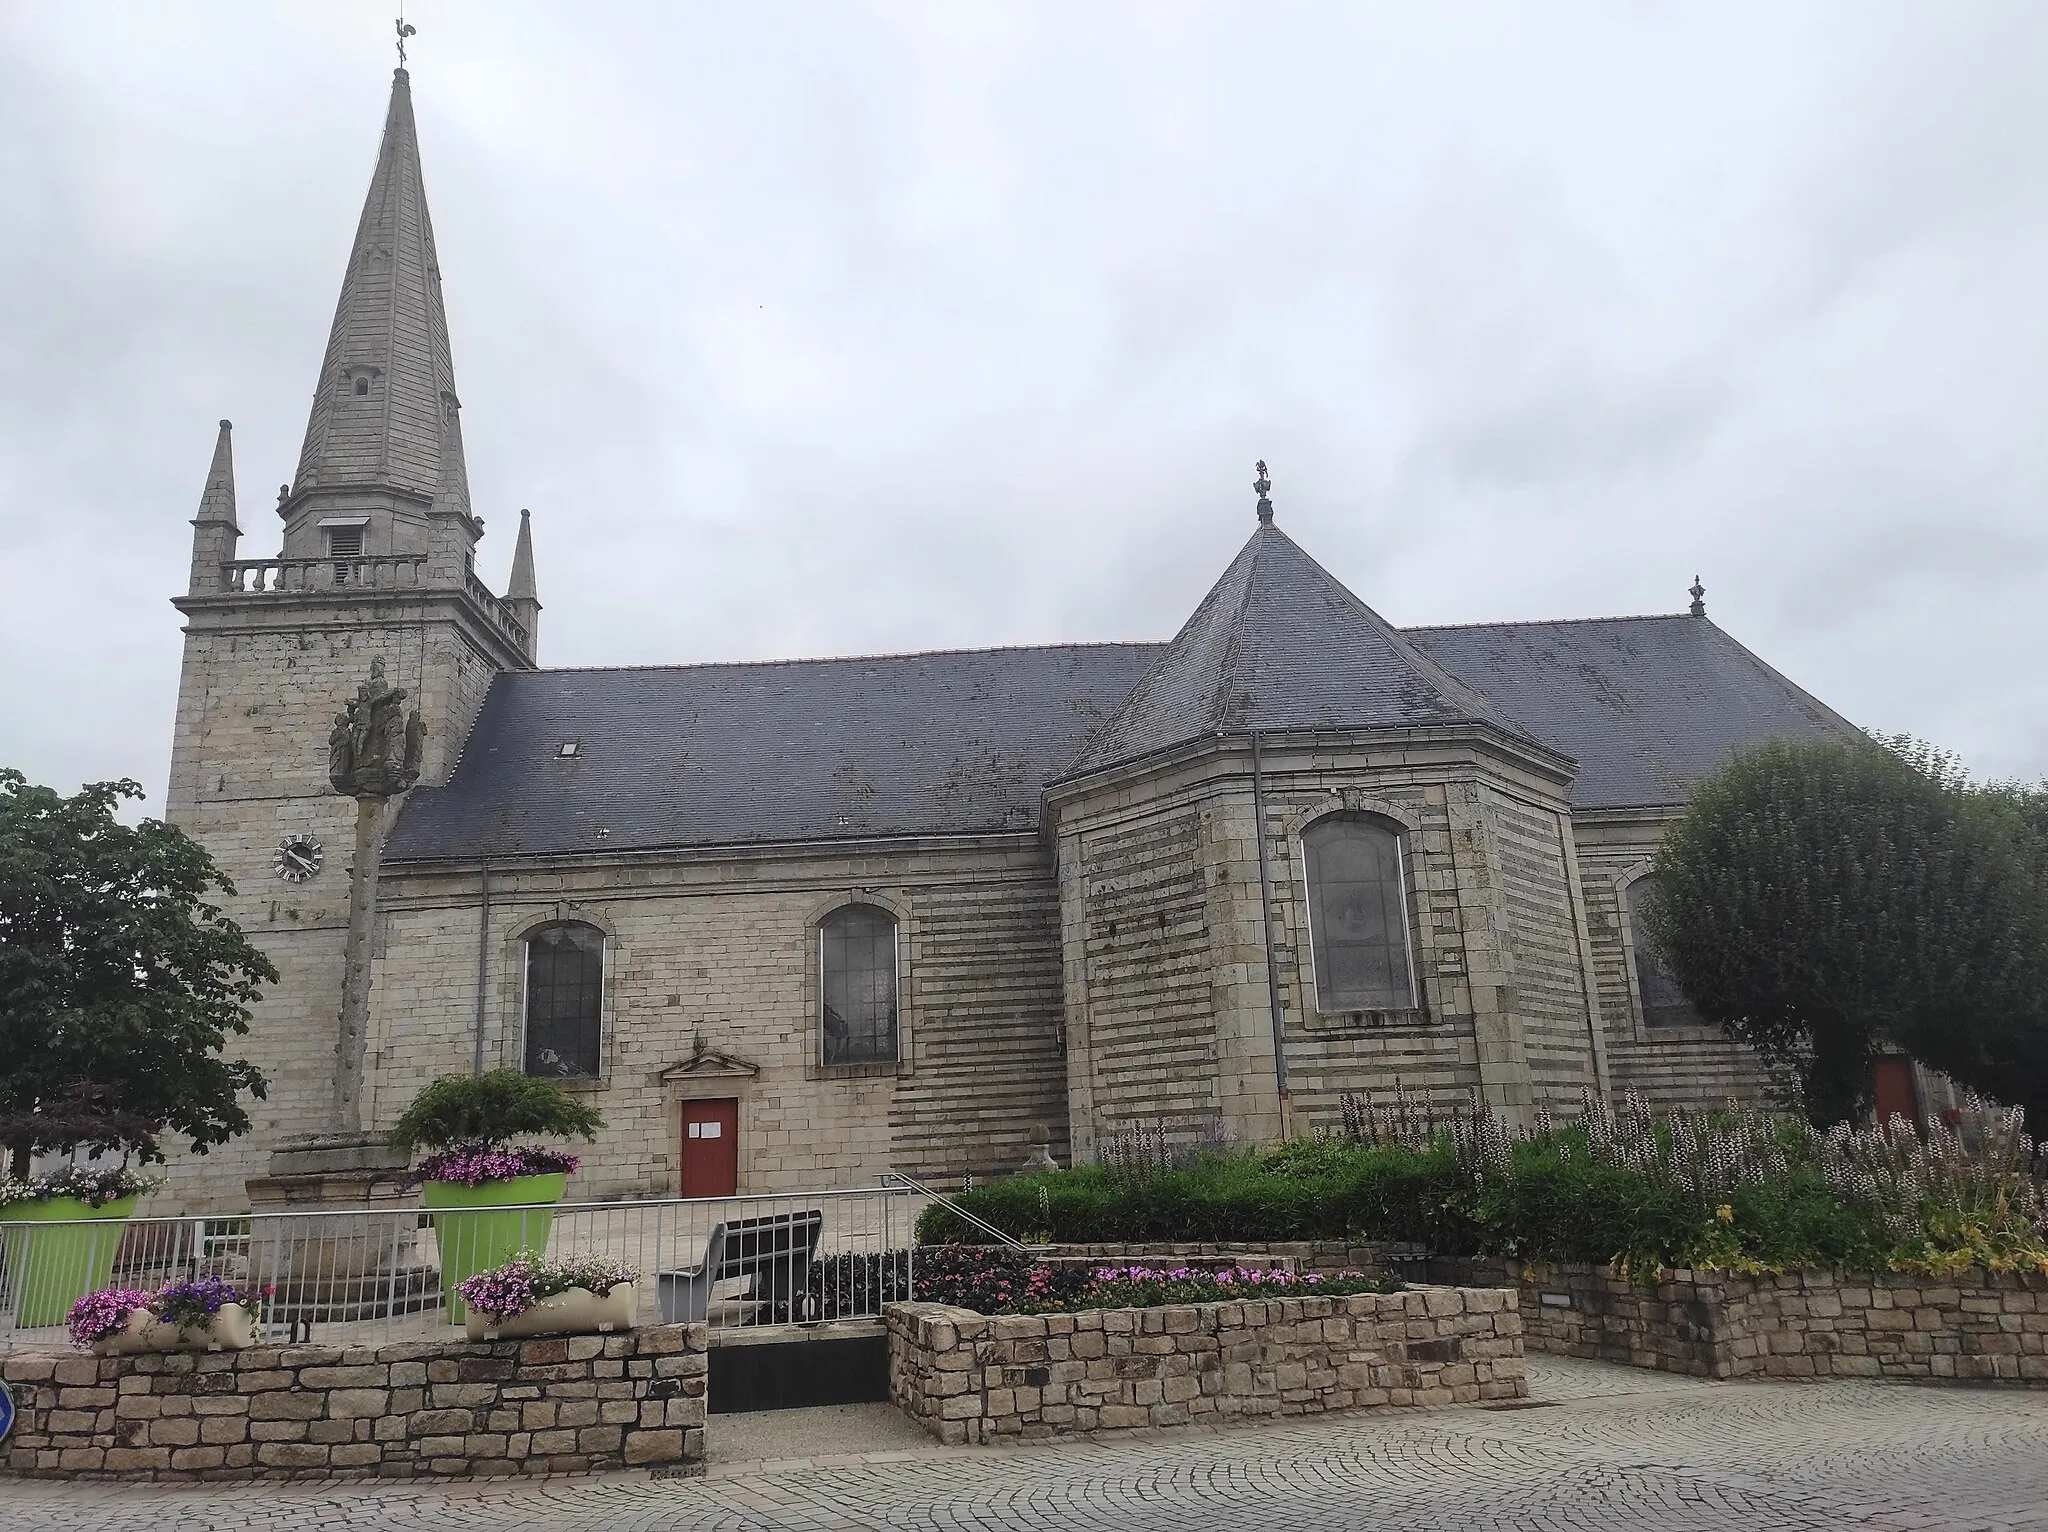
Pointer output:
x,y
1895,1093
711,1148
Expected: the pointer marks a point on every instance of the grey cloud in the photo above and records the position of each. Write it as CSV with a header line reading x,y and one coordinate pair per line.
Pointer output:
x,y
810,329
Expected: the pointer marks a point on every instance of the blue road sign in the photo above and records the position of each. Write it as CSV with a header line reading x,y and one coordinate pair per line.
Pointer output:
x,y
6,1412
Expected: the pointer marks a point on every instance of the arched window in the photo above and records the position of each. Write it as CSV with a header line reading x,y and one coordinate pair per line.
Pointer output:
x,y
1358,916
362,387
1663,1002
564,999
857,986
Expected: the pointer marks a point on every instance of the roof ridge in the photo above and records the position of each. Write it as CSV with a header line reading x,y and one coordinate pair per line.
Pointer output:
x,y
1548,622
838,659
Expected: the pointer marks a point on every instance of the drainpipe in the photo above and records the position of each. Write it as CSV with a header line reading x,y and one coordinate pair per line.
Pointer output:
x,y
483,963
1266,934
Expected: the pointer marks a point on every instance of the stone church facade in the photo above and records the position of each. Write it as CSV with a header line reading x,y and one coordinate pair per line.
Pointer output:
x,y
791,924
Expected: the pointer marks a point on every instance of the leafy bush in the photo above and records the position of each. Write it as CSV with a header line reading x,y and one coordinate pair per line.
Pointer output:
x,y
1403,1194
855,1285
487,1110
1733,1190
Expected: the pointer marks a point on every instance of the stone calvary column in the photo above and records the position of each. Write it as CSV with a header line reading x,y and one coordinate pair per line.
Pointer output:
x,y
373,755
331,1268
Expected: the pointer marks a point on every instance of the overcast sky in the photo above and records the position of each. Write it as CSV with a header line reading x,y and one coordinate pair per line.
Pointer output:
x,y
835,328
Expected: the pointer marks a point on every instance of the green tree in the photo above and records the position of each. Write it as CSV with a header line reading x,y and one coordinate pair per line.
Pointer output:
x,y
1821,898
119,982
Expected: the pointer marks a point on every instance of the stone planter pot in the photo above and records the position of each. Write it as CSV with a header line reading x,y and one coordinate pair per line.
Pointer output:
x,y
479,1228
57,1250
232,1329
578,1311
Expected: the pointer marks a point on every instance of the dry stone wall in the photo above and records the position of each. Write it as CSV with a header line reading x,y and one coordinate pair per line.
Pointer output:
x,y
562,1405
1982,1327
968,1377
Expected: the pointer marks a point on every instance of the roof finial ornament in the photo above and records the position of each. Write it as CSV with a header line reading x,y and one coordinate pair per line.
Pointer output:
x,y
1264,486
405,30
1698,594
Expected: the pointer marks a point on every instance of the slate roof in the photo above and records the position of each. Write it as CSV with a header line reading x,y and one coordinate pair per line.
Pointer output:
x,y
391,321
708,755
966,741
1646,705
1280,644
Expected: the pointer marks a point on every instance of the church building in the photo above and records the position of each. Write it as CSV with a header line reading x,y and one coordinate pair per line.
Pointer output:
x,y
790,924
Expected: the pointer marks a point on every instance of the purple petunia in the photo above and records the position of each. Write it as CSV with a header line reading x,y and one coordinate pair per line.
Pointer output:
x,y
482,1164
99,1315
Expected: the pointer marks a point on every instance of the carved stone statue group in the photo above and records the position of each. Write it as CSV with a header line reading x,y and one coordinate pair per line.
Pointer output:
x,y
374,749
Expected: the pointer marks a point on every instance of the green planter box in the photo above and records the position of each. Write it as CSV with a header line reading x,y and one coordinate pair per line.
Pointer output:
x,y
58,1250
479,1227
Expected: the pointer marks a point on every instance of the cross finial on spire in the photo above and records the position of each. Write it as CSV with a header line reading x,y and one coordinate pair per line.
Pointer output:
x,y
1698,594
405,30
1264,486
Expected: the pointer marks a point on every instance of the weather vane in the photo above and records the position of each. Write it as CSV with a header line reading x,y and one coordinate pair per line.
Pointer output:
x,y
405,30
1263,485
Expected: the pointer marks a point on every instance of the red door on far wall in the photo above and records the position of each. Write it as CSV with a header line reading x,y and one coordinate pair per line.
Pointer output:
x,y
1895,1094
711,1148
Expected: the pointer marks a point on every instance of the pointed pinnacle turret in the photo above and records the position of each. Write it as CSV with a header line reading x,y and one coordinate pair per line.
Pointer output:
x,y
214,530
217,501
378,406
520,586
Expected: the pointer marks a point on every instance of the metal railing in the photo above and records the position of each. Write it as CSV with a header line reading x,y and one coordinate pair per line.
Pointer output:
x,y
368,1276
896,1178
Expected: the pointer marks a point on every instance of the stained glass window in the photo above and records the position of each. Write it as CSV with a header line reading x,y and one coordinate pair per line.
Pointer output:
x,y
564,999
1358,916
1664,1003
857,986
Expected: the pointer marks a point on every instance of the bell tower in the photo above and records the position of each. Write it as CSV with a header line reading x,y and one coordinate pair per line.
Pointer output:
x,y
376,566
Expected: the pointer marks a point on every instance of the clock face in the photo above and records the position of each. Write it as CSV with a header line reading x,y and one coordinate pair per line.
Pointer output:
x,y
297,858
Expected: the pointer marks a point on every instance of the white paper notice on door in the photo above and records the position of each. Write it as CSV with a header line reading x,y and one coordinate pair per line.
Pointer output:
x,y
707,1130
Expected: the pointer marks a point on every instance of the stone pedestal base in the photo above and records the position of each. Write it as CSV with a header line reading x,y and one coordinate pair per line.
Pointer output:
x,y
336,1229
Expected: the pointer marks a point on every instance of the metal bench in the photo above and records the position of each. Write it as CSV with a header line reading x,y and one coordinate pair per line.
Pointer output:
x,y
775,1252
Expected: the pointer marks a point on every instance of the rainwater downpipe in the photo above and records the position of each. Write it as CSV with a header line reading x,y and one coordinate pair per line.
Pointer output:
x,y
1266,934
483,963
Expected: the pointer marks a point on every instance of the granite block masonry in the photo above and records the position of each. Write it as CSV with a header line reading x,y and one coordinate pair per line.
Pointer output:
x,y
567,1404
1972,1327
969,1377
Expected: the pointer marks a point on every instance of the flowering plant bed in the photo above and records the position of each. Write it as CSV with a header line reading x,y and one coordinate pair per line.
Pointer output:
x,y
204,1314
531,1295
93,1185
1002,1281
58,1234
479,1164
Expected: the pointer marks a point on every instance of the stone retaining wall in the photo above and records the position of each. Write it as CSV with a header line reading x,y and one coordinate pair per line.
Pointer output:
x,y
557,1405
968,1377
1807,1324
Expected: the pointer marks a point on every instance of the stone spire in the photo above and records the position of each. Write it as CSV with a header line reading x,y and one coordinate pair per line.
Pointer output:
x,y
388,379
520,586
521,598
215,530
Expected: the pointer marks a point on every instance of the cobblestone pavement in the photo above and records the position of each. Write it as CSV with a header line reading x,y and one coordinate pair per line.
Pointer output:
x,y
1596,1448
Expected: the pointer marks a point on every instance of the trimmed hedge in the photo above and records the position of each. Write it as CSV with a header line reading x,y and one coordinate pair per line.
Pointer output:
x,y
1551,1201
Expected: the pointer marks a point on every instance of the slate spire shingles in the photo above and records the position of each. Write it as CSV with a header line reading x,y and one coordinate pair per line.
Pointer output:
x,y
1279,645
389,328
